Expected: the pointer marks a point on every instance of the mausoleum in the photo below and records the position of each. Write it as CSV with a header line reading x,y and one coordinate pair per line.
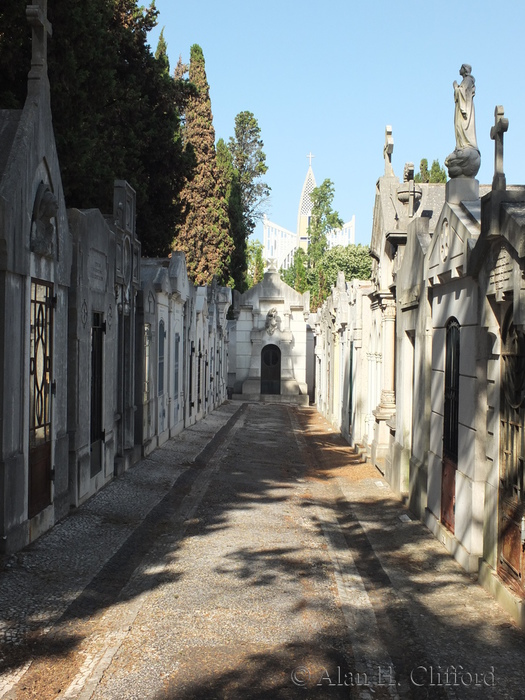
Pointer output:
x,y
271,342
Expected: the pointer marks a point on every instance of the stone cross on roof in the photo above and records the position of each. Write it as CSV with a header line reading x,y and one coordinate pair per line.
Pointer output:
x,y
37,17
496,133
388,149
310,156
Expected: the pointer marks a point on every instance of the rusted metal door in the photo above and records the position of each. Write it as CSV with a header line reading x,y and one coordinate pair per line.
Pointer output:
x,y
448,493
271,370
511,558
40,368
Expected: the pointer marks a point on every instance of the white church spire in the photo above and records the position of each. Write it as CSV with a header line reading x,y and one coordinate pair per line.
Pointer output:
x,y
305,205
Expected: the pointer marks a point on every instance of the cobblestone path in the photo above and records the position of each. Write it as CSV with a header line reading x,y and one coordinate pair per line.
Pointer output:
x,y
253,556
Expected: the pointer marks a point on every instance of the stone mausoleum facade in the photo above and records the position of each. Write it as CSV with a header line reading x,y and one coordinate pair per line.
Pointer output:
x,y
103,355
432,354
271,343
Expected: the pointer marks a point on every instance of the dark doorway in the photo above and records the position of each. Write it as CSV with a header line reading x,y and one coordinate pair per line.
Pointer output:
x,y
271,370
97,432
40,474
450,426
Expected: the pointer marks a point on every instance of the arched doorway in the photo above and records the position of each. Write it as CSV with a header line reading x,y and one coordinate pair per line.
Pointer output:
x,y
271,370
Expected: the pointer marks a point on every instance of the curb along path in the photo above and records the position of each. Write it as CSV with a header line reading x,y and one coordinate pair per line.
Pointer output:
x,y
53,593
253,556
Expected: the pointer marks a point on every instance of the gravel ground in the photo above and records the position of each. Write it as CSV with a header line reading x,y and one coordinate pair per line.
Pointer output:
x,y
253,556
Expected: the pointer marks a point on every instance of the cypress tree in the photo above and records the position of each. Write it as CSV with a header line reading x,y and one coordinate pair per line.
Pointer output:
x,y
205,234
161,53
230,186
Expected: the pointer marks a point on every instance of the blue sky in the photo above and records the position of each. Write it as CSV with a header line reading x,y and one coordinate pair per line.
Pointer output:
x,y
328,77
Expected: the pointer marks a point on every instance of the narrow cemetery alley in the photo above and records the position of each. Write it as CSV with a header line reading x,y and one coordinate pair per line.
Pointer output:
x,y
252,556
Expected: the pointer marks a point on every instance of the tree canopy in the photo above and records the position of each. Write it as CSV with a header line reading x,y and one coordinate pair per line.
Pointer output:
x,y
436,173
322,220
249,160
114,106
119,114
241,165
316,269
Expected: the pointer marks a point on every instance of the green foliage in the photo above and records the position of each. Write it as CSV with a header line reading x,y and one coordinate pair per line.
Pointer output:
x,y
161,53
423,175
241,165
114,106
316,271
296,275
255,272
322,220
435,175
231,190
204,235
353,260
249,160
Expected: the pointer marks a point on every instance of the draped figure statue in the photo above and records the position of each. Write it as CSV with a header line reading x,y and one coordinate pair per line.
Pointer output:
x,y
464,122
465,160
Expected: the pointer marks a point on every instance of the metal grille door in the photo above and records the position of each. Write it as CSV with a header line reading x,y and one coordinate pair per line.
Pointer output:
x,y
40,472
271,370
511,540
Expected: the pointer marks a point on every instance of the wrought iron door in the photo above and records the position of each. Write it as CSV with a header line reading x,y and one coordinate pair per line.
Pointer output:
x,y
511,558
40,368
271,370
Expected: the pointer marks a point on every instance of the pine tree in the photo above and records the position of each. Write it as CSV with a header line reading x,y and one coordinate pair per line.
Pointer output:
x,y
204,237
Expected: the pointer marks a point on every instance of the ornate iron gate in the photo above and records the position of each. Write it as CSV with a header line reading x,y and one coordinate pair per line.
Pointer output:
x,y
40,369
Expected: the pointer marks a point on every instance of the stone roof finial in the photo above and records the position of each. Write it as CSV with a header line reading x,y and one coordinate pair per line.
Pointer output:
x,y
388,149
501,124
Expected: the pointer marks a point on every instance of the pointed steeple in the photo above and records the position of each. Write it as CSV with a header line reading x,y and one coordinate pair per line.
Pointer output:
x,y
305,205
